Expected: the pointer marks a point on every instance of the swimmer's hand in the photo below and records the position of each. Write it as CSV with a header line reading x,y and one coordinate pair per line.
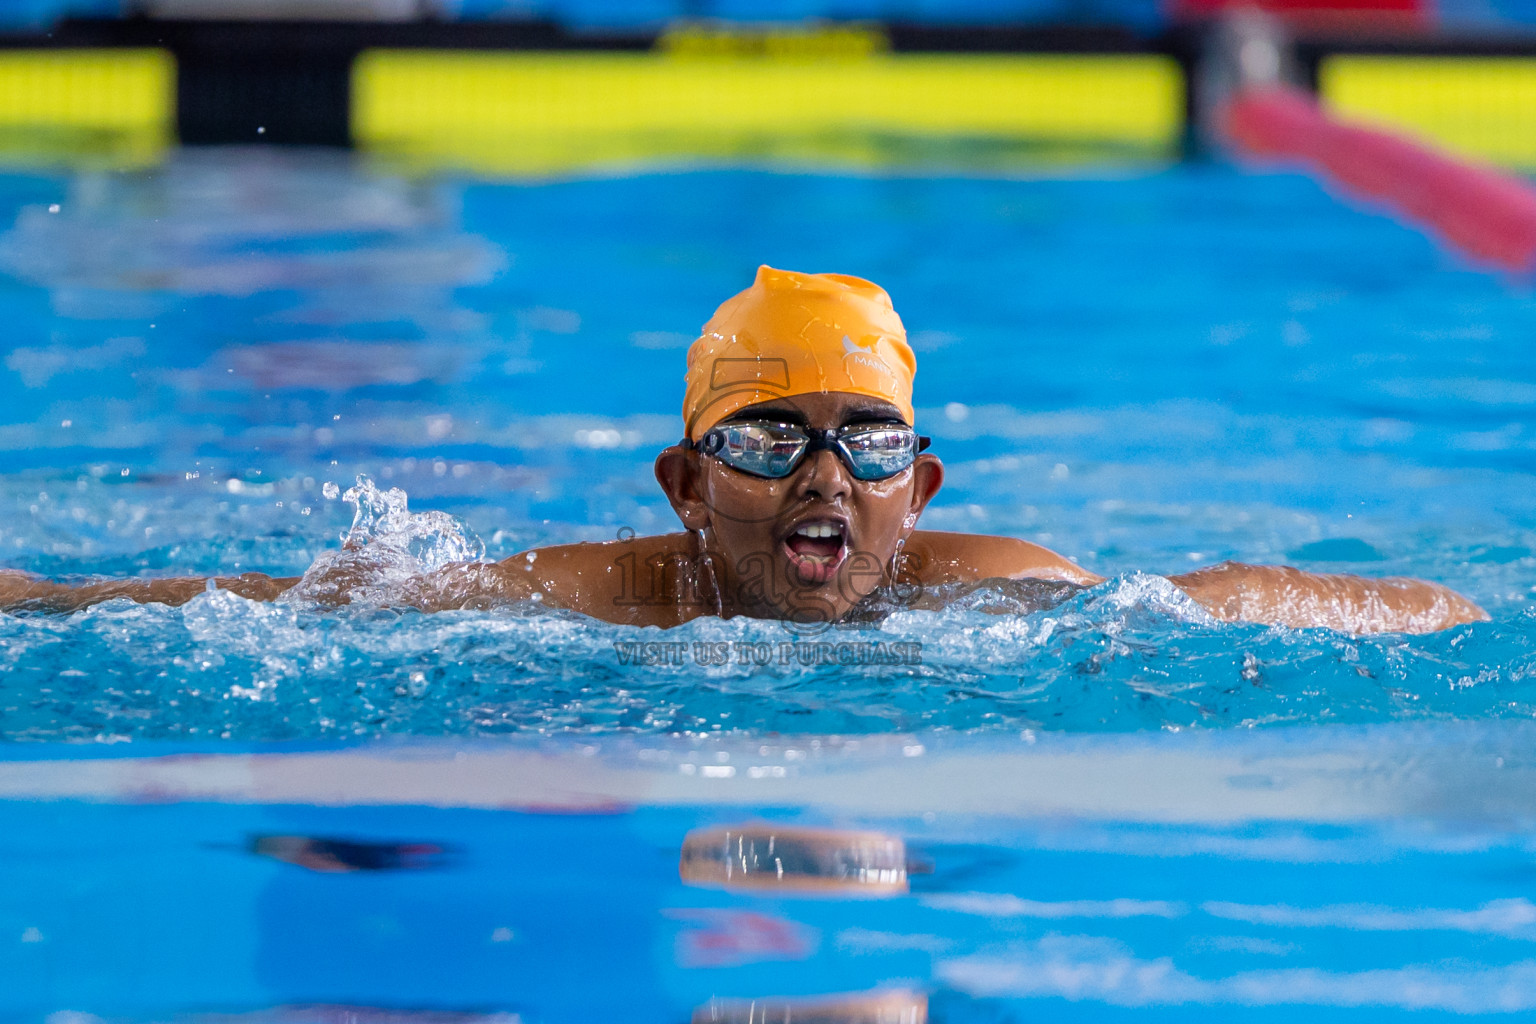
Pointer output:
x,y
1281,595
21,591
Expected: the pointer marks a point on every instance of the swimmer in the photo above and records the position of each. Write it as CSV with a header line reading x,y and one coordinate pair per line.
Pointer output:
x,y
800,481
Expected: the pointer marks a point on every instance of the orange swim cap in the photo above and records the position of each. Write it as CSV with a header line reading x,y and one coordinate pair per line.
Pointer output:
x,y
797,334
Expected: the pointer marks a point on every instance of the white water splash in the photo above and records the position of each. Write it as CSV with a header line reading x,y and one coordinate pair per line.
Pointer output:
x,y
387,550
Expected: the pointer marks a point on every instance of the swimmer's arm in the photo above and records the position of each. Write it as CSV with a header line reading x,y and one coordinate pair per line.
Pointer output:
x,y
476,585
633,582
468,585
1281,595
611,580
21,591
588,578
938,557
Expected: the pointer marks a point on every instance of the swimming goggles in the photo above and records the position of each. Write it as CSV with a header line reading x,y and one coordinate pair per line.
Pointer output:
x,y
871,451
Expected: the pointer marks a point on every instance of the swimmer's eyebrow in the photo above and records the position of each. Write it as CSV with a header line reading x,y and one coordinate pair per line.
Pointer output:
x,y
874,411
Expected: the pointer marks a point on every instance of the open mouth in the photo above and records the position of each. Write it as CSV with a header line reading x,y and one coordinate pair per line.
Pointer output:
x,y
816,549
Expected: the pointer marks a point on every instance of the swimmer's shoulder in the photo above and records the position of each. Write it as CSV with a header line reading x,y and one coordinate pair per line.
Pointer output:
x,y
939,556
629,581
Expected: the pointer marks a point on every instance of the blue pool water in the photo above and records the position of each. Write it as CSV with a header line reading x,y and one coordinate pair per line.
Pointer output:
x,y
1147,369
1146,372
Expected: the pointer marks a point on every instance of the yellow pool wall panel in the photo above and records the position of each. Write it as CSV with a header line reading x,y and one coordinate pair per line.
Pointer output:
x,y
537,113
1478,107
97,105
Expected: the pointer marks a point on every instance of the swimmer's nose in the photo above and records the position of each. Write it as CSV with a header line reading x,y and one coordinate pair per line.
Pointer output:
x,y
823,476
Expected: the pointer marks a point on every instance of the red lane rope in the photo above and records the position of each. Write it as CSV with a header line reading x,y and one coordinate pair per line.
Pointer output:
x,y
1486,214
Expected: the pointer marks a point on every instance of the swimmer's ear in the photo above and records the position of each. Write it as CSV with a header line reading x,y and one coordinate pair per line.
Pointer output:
x,y
927,478
677,470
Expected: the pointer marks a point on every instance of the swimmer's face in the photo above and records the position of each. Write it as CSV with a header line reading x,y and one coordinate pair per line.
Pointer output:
x,y
809,546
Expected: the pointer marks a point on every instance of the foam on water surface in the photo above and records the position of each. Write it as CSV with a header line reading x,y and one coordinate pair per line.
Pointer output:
x,y
1131,654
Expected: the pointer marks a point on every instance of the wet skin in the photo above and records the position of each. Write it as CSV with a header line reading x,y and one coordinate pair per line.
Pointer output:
x,y
746,552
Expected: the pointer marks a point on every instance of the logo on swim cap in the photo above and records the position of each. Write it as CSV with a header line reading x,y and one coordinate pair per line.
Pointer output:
x,y
858,354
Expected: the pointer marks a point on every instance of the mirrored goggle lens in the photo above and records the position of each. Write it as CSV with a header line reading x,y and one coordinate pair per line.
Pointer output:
x,y
878,453
761,450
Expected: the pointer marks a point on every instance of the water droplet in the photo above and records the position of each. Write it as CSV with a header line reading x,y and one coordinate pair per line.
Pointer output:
x,y
330,490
